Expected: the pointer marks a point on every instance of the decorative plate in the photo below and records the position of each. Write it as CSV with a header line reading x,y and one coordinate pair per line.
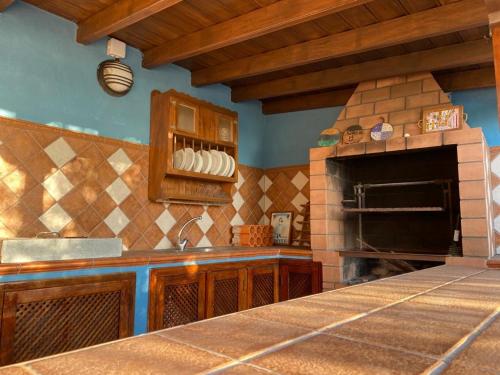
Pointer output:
x,y
224,163
353,134
381,131
329,137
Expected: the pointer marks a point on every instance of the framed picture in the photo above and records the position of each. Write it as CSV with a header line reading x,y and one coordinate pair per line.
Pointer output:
x,y
282,227
443,117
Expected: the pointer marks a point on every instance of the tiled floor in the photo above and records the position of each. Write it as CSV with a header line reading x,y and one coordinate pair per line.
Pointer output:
x,y
437,321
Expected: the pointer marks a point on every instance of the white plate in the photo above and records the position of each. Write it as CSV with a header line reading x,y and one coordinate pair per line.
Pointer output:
x,y
216,162
179,159
198,162
207,161
232,167
224,165
189,158
227,166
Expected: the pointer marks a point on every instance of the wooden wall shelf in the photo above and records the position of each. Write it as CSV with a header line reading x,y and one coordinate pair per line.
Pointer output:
x,y
179,121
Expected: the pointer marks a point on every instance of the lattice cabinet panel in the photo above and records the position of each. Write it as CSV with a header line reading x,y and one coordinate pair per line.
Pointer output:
x,y
263,285
41,318
299,278
226,291
299,284
176,297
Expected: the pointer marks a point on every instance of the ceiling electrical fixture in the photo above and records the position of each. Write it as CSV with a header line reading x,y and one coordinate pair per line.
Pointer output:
x,y
115,77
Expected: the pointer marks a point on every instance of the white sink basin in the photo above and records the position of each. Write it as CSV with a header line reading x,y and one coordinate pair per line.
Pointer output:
x,y
42,249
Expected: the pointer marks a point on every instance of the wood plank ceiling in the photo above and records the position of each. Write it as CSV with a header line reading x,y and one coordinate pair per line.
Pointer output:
x,y
296,54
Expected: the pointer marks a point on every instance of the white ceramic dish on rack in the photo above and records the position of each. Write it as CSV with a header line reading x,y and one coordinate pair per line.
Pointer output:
x,y
224,164
227,164
232,166
188,158
216,162
207,161
179,159
198,162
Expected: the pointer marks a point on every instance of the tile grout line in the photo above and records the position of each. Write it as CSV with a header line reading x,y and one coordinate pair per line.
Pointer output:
x,y
314,333
447,358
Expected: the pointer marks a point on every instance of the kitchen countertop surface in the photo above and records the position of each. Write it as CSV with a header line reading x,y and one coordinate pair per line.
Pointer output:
x,y
439,320
149,257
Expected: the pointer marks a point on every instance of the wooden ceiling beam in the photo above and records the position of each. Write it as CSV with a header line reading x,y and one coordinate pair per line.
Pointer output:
x,y
437,21
332,98
274,17
453,56
4,4
466,80
117,16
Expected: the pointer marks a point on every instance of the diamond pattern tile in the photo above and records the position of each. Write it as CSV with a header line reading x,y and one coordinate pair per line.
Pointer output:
x,y
299,200
116,220
57,185
90,186
300,180
165,221
120,161
60,152
496,194
118,191
55,218
495,165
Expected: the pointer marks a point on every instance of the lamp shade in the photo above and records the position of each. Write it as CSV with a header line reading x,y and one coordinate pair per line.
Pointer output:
x,y
115,77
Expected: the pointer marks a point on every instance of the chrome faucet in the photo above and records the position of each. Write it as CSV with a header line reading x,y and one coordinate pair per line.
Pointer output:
x,y
182,243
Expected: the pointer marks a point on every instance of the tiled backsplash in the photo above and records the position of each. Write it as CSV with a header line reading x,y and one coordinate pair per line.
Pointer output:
x,y
80,185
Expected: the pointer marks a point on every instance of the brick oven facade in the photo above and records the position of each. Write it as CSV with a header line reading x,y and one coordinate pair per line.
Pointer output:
x,y
400,101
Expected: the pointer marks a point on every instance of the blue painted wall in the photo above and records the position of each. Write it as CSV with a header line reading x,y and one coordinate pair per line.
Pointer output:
x,y
481,107
290,135
46,77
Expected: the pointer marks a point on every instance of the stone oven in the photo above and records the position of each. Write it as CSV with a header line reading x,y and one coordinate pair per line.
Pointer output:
x,y
405,196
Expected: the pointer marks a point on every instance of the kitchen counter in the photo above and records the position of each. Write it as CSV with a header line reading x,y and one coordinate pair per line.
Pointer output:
x,y
152,257
439,320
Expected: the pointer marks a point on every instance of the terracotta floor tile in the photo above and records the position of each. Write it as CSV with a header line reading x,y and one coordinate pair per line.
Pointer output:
x,y
348,301
484,350
488,274
459,300
235,335
331,355
401,329
305,314
458,369
245,370
144,355
415,310
14,370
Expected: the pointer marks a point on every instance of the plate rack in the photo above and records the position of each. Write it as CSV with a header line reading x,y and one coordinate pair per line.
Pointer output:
x,y
182,141
179,121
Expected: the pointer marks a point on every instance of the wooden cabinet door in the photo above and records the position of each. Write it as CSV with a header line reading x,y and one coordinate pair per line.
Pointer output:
x,y
226,291
263,285
176,299
41,318
299,278
184,115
